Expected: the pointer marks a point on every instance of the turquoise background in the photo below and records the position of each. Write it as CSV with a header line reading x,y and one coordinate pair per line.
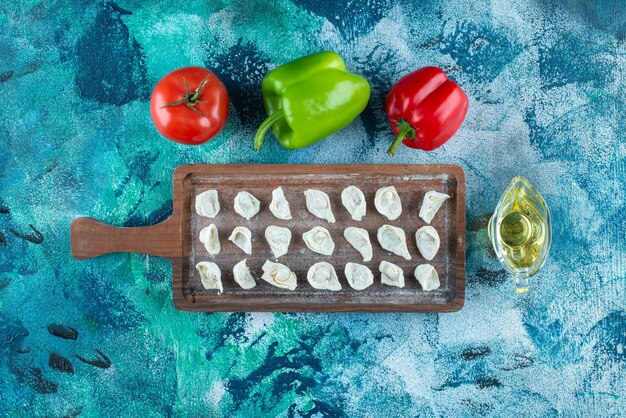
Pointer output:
x,y
545,81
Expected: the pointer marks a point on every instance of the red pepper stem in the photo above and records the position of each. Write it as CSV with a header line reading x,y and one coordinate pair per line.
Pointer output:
x,y
265,126
405,130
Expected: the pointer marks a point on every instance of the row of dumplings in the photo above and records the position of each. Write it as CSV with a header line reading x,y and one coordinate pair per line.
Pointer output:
x,y
321,276
319,240
387,203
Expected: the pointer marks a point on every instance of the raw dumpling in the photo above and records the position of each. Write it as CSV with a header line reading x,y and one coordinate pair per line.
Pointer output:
x,y
318,203
211,240
242,238
431,204
427,276
319,240
354,201
360,240
280,206
246,205
323,276
242,275
388,202
359,276
427,240
210,275
278,238
279,275
391,274
207,204
393,239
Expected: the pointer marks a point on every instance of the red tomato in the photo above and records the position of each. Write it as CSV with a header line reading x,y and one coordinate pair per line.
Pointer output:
x,y
189,105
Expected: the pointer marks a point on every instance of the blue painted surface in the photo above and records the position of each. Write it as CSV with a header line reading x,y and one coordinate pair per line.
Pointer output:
x,y
545,81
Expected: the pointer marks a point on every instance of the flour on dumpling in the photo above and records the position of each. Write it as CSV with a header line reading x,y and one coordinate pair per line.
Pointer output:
x,y
318,239
359,238
431,204
354,202
210,238
279,205
318,203
279,239
427,240
210,276
242,275
279,275
323,276
387,202
246,205
390,274
393,239
207,204
242,238
359,276
427,276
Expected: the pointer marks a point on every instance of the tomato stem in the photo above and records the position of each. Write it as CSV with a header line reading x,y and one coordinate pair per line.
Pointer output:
x,y
192,107
183,101
193,98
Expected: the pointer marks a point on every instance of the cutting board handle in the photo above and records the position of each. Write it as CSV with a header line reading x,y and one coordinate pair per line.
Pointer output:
x,y
90,238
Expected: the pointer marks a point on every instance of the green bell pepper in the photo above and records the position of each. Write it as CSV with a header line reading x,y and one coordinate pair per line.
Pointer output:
x,y
309,99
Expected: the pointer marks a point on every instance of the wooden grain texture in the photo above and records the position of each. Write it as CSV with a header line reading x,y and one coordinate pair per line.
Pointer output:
x,y
90,238
177,238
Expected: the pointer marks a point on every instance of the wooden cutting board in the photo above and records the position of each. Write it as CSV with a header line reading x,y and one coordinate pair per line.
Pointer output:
x,y
177,237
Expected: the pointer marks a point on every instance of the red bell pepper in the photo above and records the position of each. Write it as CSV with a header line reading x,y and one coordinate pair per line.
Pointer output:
x,y
425,109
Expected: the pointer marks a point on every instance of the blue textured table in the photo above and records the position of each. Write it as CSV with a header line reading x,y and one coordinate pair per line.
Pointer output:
x,y
545,82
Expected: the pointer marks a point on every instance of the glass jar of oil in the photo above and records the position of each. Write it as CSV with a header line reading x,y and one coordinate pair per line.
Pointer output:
x,y
520,231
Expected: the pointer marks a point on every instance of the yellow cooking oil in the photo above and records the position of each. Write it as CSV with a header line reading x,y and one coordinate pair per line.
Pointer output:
x,y
520,231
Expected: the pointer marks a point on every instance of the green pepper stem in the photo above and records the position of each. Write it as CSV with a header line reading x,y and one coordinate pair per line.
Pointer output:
x,y
265,126
406,130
